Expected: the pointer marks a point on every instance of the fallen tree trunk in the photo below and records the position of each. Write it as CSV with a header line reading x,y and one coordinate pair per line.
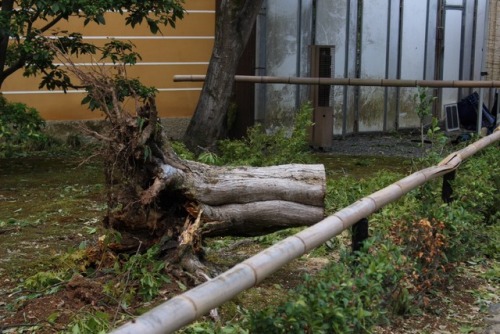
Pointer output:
x,y
241,200
155,197
247,201
167,195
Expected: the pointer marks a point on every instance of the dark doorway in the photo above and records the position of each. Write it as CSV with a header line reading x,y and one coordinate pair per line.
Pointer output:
x,y
241,112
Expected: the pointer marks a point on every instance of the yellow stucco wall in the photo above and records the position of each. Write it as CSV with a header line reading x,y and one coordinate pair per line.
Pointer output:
x,y
183,50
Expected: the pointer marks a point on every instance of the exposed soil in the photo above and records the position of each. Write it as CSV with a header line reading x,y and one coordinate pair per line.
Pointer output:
x,y
49,206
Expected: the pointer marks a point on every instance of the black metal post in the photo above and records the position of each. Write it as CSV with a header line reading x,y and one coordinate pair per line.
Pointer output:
x,y
447,191
359,234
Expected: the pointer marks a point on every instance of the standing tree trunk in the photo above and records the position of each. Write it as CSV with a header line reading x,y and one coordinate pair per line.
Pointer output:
x,y
7,6
234,24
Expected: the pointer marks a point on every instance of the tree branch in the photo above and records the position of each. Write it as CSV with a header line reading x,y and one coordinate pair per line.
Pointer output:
x,y
52,23
16,66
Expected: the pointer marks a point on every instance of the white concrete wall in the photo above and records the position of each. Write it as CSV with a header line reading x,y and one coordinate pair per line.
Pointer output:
x,y
281,58
413,52
374,40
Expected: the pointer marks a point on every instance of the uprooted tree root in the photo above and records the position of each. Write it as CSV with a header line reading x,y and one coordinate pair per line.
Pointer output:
x,y
154,197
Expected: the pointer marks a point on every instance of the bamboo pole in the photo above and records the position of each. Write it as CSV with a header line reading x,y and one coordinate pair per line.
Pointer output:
x,y
351,81
187,307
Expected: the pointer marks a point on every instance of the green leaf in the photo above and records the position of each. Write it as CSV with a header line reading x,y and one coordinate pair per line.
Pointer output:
x,y
100,19
181,286
53,317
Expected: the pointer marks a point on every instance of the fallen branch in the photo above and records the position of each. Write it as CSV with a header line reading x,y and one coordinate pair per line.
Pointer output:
x,y
7,230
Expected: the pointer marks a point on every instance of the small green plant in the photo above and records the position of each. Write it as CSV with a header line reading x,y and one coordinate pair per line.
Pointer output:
x,y
43,280
90,323
209,158
40,284
423,103
147,272
438,140
12,222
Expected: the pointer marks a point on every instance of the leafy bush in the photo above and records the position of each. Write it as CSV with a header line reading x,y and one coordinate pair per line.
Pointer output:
x,y
474,210
346,297
259,148
423,243
20,126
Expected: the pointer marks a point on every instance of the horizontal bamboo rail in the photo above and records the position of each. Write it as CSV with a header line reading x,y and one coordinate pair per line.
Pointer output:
x,y
187,307
351,81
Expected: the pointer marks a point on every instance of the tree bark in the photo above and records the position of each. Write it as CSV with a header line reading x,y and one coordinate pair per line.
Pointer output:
x,y
154,197
248,201
235,21
188,201
7,6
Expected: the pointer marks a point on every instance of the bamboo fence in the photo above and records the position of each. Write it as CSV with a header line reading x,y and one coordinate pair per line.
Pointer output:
x,y
351,81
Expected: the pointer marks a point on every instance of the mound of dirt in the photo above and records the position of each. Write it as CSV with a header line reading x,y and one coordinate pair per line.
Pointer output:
x,y
78,294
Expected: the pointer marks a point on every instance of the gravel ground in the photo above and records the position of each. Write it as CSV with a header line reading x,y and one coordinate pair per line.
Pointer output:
x,y
398,144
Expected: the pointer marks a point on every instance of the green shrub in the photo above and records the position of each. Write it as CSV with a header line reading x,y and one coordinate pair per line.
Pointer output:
x,y
259,148
349,296
474,210
182,151
20,127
